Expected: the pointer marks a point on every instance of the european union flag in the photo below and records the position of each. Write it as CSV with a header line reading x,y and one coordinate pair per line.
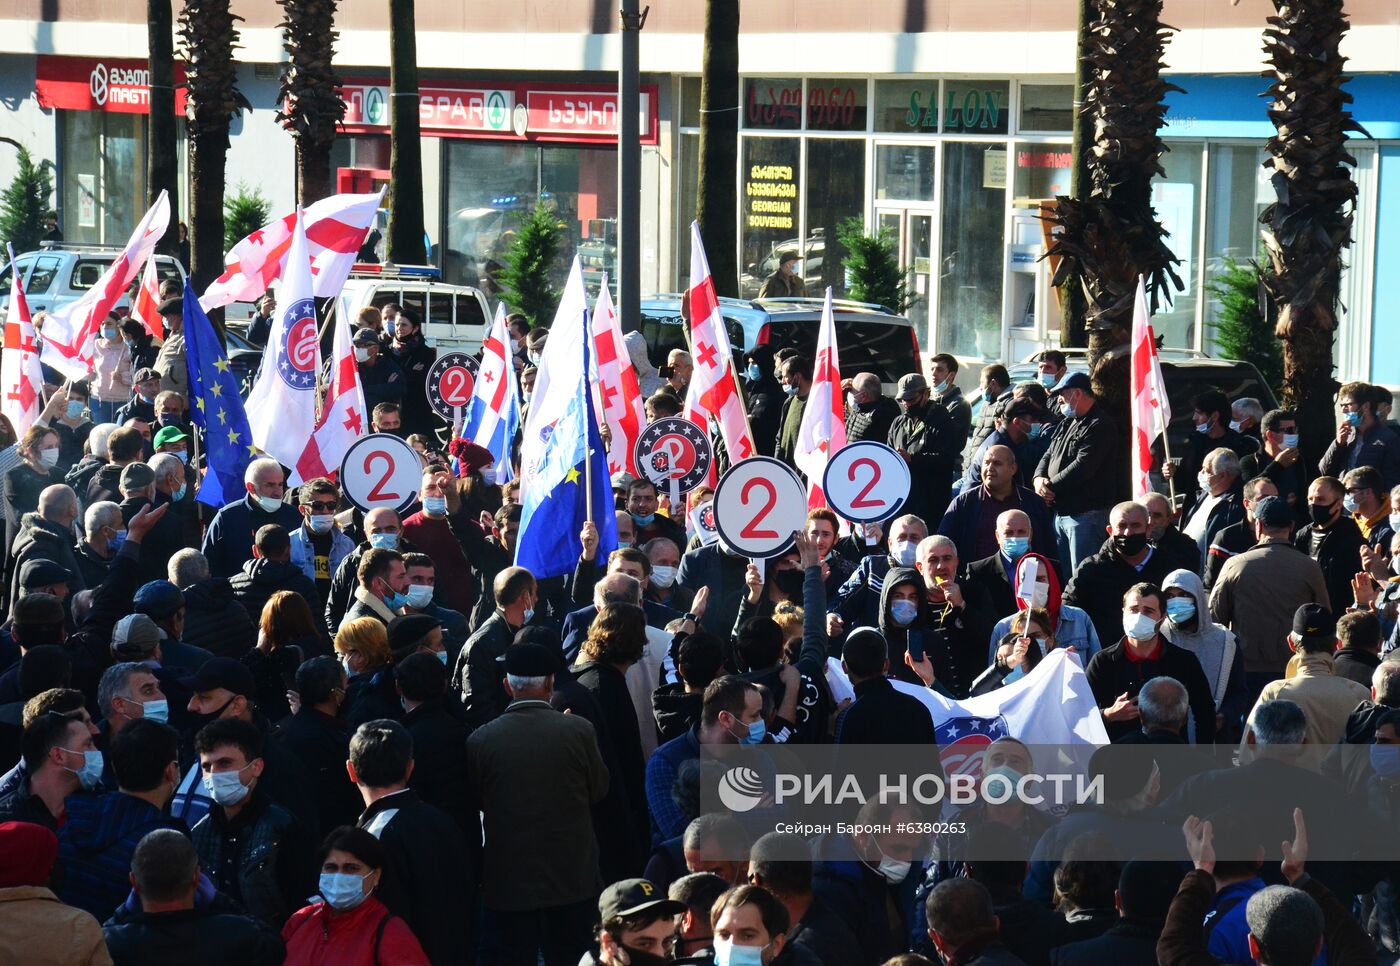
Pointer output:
x,y
216,407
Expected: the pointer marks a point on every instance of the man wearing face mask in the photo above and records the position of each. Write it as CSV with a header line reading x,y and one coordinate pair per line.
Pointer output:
x,y
170,361
665,557
143,403
1125,559
1368,503
381,379
414,357
857,602
1218,503
319,545
1119,671
429,531
1332,538
636,926
1237,537
1166,539
796,373
103,534
1363,438
1211,417
642,504
925,435
869,412
1079,476
382,587
870,880
228,543
1024,428
765,397
60,759
786,281
1278,458
955,620
381,526
253,850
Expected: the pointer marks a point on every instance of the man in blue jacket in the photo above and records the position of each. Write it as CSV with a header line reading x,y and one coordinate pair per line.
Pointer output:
x,y
228,543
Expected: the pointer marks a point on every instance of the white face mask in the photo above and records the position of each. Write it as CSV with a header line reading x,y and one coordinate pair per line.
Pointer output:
x,y
419,596
1039,595
321,522
904,552
269,504
663,577
895,871
49,457
1139,627
361,354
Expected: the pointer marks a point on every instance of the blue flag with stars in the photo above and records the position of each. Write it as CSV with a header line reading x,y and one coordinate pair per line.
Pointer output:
x,y
216,407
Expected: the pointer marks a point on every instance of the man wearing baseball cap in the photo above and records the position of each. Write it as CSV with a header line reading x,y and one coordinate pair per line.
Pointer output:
x,y
1079,477
170,363
145,386
172,439
924,435
637,925
1326,699
380,377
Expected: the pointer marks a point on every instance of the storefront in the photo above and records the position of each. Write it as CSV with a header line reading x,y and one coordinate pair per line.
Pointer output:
x,y
101,109
499,147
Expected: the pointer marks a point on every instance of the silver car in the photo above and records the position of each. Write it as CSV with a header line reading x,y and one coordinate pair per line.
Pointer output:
x,y
58,274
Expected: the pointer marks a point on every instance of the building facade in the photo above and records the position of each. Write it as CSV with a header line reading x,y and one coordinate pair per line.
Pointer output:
x,y
945,121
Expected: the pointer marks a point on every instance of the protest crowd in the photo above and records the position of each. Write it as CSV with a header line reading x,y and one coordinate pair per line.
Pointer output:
x,y
276,727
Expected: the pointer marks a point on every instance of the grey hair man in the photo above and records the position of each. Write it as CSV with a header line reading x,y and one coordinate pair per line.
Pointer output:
x,y
1163,706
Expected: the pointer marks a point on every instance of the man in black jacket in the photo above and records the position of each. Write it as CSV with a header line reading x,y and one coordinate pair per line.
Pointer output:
x,y
1332,538
765,398
1237,537
1118,672
1079,476
229,540
46,535
880,715
927,439
415,357
1125,559
955,619
382,530
167,927
1278,461
870,413
439,738
319,738
429,878
270,571
478,676
1167,541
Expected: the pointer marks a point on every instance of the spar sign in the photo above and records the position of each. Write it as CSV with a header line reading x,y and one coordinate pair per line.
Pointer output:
x,y
99,84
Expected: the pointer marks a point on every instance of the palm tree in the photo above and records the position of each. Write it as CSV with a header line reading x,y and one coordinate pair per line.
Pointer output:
x,y
719,143
209,37
405,242
1110,235
310,91
162,158
1309,226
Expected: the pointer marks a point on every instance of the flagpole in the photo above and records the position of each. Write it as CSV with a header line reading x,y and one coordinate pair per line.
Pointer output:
x,y
587,415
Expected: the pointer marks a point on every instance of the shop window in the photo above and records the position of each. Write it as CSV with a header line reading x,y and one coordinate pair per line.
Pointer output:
x,y
689,204
904,172
973,249
773,103
1042,171
582,185
1239,191
1177,202
836,105
1047,107
102,191
976,107
771,193
690,102
907,107
835,191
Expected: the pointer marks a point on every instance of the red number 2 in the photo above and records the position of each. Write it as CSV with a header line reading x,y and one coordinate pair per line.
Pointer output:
x,y
860,502
454,385
751,532
378,492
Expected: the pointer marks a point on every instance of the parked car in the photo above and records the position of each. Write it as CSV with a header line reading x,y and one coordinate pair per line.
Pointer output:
x,y
59,274
454,316
869,338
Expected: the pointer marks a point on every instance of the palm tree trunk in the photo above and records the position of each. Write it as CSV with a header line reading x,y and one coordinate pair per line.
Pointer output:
x,y
404,245
719,144
310,91
1073,306
162,145
1309,227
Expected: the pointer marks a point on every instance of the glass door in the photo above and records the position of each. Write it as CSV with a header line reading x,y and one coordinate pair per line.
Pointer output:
x,y
912,230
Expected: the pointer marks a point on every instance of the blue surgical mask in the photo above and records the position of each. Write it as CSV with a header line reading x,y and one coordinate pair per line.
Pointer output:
x,y
904,612
435,505
529,614
643,521
1037,430
321,522
226,787
182,456
419,596
384,541
180,493
729,954
75,408
939,388
341,890
1290,440
753,372
1047,379
1350,504
395,600
1385,760
109,333
115,543
755,734
156,710
442,657
1203,427
623,544
790,390
1354,418
1180,609
1016,547
90,775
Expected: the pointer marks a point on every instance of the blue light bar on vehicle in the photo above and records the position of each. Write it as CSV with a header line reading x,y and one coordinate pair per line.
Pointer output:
x,y
396,271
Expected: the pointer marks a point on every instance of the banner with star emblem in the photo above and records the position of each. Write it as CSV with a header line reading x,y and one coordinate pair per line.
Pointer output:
x,y
21,375
343,413
216,408
282,404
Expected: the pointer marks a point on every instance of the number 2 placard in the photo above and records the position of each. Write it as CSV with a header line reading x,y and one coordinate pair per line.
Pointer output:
x,y
381,470
758,505
866,482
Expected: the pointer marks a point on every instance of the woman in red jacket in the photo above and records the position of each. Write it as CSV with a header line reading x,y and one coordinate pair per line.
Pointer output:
x,y
350,927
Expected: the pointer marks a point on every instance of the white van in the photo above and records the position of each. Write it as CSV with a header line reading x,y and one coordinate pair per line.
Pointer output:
x,y
454,316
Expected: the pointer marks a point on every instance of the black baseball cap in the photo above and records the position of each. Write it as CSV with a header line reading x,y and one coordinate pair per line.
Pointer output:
x,y
223,672
629,897
1073,380
1314,622
532,660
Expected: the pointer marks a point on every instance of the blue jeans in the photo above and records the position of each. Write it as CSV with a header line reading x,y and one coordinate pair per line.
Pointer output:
x,y
1080,536
103,412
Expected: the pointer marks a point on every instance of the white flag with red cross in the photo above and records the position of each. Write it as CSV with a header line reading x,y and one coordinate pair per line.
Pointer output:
x,y
342,419
146,305
823,429
714,391
21,376
617,397
1150,410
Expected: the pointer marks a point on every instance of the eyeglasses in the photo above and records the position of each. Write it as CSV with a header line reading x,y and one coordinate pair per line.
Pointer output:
x,y
323,507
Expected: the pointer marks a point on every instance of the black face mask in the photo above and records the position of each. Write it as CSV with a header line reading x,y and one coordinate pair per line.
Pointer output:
x,y
197,721
789,582
1130,545
638,958
1321,515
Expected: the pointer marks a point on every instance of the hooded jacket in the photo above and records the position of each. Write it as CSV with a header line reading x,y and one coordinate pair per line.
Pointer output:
x,y
897,636
215,621
1214,646
41,539
648,381
95,846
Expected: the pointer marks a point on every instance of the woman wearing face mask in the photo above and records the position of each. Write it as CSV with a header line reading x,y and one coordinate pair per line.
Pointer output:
x,y
1023,647
111,386
286,637
23,483
363,648
349,926
1069,625
1188,625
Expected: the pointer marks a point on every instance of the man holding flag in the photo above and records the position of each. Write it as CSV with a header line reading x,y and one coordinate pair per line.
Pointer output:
x,y
21,376
493,415
564,470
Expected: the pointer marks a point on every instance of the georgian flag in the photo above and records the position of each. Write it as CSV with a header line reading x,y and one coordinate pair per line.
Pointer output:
x,y
145,307
343,415
21,376
617,398
1150,410
823,429
493,415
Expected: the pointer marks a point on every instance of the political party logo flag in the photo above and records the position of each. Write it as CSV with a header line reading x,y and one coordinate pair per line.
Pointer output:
x,y
823,429
282,405
70,331
216,408
561,436
1151,411
343,415
493,415
21,375
617,395
714,391
145,307
335,228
